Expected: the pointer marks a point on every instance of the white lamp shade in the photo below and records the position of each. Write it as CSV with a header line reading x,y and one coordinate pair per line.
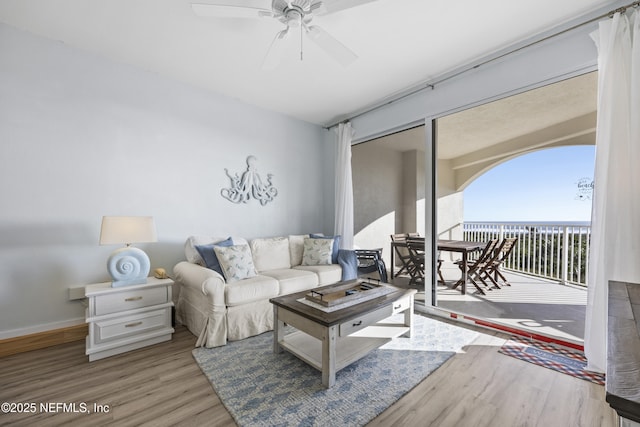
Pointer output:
x,y
127,230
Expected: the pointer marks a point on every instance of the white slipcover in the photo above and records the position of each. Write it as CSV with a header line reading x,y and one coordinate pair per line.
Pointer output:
x,y
217,312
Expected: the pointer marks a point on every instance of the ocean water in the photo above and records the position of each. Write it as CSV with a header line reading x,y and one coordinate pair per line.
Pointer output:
x,y
532,223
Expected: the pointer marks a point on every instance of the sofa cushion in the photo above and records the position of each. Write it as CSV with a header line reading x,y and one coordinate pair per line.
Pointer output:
x,y
271,254
209,255
236,262
327,274
292,280
296,248
249,290
191,253
317,251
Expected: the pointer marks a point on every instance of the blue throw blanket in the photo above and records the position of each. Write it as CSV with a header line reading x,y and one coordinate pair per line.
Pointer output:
x,y
349,262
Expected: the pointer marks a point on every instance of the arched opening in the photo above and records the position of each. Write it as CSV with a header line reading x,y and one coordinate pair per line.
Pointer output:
x,y
543,199
519,169
551,185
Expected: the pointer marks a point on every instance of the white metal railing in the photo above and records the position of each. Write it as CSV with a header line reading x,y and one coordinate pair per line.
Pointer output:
x,y
541,249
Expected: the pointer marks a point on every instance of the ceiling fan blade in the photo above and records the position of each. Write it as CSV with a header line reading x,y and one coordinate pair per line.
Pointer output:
x,y
276,50
230,9
331,6
331,46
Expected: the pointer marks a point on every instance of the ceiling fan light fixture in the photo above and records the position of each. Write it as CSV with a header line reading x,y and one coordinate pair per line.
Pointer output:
x,y
296,14
293,18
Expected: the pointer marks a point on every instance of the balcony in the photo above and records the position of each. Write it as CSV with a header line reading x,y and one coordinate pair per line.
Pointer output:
x,y
547,270
535,306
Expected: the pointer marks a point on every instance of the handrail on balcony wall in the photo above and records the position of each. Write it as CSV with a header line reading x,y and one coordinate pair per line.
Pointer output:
x,y
553,250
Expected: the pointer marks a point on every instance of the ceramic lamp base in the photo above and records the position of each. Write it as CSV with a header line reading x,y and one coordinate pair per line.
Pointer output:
x,y
128,266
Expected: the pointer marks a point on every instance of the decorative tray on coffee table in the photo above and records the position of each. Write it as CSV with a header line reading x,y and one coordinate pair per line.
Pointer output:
x,y
350,292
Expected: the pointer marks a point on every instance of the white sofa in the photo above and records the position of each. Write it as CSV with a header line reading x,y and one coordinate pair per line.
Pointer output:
x,y
217,310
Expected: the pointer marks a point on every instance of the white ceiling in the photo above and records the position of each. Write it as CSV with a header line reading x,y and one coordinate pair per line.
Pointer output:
x,y
400,43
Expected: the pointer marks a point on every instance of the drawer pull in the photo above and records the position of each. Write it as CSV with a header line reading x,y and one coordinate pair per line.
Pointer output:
x,y
358,323
397,307
133,299
131,325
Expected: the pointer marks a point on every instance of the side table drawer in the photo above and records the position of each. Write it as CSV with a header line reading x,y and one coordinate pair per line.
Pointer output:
x,y
361,322
401,305
114,329
129,300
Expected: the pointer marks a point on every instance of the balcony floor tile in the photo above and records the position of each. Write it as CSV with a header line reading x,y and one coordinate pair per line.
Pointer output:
x,y
534,305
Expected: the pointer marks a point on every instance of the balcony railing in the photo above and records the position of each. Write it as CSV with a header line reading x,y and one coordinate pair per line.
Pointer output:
x,y
557,251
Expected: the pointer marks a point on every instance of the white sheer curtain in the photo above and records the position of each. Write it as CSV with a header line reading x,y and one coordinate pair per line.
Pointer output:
x,y
615,239
344,187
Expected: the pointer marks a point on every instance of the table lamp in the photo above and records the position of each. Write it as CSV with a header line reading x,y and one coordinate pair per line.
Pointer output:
x,y
128,265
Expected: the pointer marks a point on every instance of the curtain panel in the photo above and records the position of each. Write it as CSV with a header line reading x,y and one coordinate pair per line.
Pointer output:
x,y
343,224
615,218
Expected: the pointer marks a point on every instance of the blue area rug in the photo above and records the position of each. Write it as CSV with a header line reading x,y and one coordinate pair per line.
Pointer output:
x,y
553,357
260,388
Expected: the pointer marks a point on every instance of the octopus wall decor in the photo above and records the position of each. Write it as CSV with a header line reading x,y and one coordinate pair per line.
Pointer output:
x,y
249,186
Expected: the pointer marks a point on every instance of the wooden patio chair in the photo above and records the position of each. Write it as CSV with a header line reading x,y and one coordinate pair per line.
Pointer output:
x,y
415,266
491,270
476,269
439,269
401,252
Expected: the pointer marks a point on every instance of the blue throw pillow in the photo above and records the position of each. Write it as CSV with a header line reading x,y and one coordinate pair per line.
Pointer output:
x,y
336,245
209,255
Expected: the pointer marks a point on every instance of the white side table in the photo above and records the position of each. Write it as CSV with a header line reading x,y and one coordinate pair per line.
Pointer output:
x,y
126,318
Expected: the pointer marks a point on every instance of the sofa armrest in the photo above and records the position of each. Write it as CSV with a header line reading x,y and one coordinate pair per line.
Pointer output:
x,y
199,277
212,286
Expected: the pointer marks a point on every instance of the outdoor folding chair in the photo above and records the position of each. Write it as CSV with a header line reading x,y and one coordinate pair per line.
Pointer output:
x,y
492,269
476,269
439,268
415,266
370,261
401,253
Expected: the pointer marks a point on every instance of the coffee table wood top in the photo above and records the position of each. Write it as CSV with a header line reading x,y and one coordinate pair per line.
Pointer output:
x,y
290,302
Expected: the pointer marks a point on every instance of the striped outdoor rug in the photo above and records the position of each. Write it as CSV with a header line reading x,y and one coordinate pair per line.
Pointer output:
x,y
568,362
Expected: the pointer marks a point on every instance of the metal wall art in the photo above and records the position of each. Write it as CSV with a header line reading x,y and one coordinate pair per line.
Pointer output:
x,y
249,185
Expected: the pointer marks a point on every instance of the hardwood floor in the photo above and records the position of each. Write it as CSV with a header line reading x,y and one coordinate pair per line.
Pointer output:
x,y
162,385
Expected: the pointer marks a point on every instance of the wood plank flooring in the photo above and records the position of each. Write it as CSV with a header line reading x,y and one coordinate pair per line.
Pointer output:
x,y
162,385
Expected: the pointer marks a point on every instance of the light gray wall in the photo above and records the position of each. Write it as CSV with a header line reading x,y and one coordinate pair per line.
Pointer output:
x,y
450,203
413,192
409,191
388,193
377,183
82,137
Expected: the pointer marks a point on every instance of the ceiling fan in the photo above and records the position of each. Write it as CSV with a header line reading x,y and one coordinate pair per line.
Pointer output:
x,y
293,14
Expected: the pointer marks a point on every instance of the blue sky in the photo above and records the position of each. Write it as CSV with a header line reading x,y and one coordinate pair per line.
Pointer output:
x,y
540,186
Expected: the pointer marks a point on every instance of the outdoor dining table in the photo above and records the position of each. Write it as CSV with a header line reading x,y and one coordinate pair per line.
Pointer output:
x,y
462,247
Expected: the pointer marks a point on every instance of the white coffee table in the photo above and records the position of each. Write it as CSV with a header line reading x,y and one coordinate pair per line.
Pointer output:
x,y
332,340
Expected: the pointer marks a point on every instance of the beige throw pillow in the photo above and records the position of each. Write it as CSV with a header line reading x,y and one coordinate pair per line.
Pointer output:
x,y
236,262
317,251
